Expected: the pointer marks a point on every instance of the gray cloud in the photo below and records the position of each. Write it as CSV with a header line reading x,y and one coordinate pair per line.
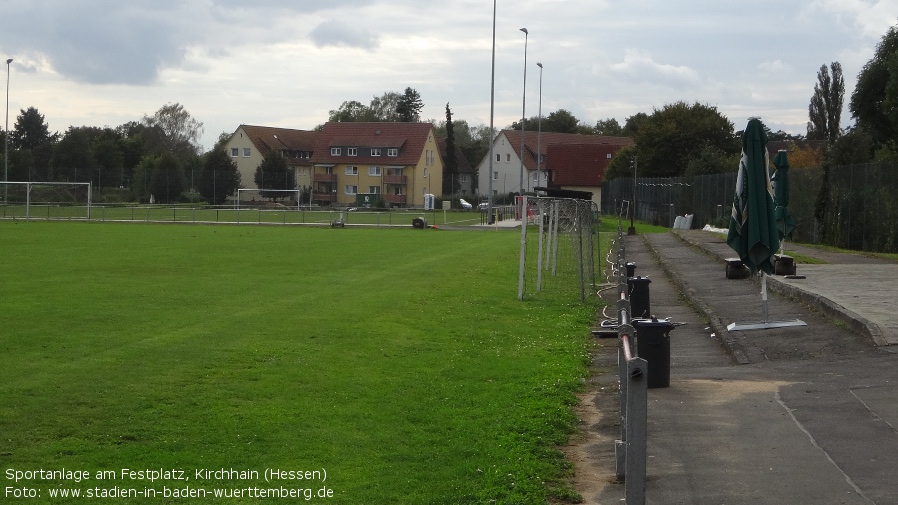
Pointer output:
x,y
337,33
113,42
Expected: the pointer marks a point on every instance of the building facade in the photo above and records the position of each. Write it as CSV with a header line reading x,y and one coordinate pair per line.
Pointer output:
x,y
249,145
507,159
392,164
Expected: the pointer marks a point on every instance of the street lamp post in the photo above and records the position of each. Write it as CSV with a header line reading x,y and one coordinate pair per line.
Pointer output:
x,y
6,140
524,109
489,176
539,128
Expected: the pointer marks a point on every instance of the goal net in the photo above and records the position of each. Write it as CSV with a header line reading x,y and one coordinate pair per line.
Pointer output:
x,y
45,200
559,247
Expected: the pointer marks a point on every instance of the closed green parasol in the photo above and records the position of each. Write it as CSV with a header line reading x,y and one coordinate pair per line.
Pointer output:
x,y
753,233
785,224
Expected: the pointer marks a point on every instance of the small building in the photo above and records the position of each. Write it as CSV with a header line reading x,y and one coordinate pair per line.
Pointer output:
x,y
400,161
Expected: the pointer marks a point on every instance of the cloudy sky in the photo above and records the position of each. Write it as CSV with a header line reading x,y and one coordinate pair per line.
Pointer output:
x,y
287,63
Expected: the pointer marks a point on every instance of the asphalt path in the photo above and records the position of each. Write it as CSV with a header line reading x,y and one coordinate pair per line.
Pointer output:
x,y
801,414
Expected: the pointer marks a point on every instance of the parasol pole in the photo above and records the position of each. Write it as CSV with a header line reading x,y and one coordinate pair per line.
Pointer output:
x,y
764,307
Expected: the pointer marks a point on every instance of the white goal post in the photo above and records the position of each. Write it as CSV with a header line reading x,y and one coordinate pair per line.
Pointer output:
x,y
59,200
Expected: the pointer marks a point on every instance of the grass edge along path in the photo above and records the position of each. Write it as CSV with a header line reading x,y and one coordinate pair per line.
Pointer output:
x,y
397,361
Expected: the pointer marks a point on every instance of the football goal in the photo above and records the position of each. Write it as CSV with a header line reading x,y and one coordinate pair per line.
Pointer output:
x,y
45,200
268,197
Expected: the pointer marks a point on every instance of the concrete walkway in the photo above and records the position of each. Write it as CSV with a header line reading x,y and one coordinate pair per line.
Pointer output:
x,y
790,415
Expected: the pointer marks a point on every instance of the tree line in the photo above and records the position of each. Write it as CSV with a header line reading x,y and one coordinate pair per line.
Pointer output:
x,y
159,155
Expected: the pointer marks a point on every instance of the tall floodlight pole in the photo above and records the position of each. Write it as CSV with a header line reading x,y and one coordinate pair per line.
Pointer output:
x,y
539,128
524,110
489,176
6,140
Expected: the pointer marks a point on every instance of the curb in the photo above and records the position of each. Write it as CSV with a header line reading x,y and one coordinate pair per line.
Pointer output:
x,y
729,344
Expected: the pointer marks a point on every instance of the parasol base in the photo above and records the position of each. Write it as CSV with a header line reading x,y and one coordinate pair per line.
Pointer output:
x,y
764,325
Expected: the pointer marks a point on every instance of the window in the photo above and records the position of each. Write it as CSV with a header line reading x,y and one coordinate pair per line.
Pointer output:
x,y
498,157
374,171
495,176
608,156
535,176
375,151
463,178
351,170
393,152
235,152
352,151
375,190
508,158
247,152
336,151
351,189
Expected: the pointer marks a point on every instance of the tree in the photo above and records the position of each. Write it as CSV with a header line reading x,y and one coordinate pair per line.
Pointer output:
x,y
273,173
825,109
609,127
634,123
180,133
73,158
351,112
220,177
675,136
560,121
30,130
33,145
874,102
408,108
140,181
384,109
167,181
450,172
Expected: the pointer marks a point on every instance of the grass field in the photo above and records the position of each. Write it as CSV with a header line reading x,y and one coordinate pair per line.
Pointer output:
x,y
398,362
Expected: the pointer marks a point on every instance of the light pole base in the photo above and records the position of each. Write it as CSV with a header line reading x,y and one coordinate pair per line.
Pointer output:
x,y
631,230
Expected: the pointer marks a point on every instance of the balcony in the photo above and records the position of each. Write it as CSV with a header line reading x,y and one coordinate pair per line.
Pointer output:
x,y
395,199
395,179
325,178
324,197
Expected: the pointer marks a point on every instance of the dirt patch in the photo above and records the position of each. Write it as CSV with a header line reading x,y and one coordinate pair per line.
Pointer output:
x,y
591,451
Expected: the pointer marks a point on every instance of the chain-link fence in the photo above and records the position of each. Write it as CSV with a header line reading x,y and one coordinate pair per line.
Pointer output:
x,y
559,247
853,206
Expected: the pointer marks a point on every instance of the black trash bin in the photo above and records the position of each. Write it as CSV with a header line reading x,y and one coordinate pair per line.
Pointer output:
x,y
640,305
653,345
631,269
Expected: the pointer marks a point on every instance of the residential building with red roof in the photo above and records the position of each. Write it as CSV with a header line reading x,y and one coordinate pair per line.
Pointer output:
x,y
508,159
579,167
400,161
249,145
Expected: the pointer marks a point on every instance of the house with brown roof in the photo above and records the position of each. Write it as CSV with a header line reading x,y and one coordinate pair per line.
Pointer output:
x,y
401,162
579,167
508,159
249,145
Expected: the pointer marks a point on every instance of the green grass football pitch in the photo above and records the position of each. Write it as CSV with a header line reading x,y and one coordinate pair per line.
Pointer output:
x,y
379,365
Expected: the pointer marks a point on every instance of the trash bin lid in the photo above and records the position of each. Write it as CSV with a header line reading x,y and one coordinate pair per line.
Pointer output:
x,y
653,322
